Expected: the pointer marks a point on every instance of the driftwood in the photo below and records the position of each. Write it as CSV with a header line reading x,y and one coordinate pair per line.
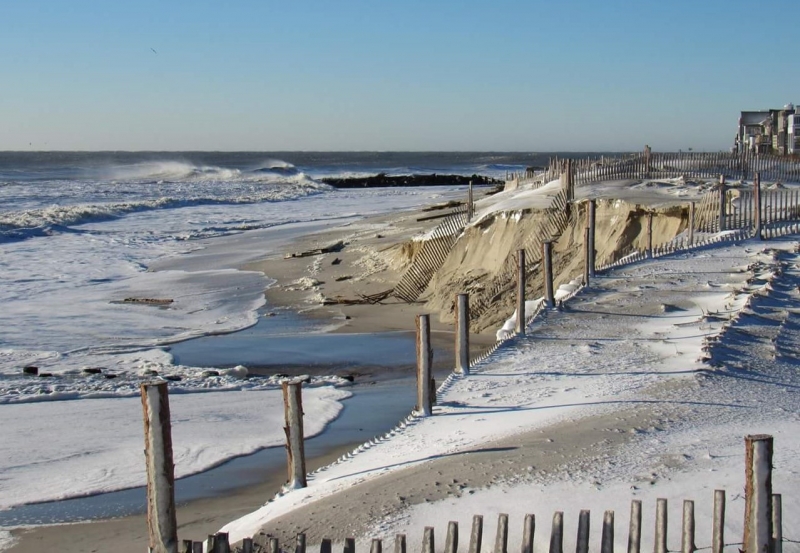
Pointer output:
x,y
363,299
337,247
148,301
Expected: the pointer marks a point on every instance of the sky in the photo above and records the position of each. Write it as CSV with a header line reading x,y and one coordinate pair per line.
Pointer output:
x,y
576,75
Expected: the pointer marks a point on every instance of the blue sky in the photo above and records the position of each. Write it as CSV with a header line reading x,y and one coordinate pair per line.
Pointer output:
x,y
378,75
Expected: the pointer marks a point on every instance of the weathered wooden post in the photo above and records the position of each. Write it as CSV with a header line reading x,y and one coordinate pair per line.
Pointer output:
x,y
162,526
501,538
428,545
528,530
375,547
757,201
547,257
451,542
470,205
295,446
557,533
607,538
650,235
400,543
520,292
718,524
692,208
592,250
587,257
349,546
758,494
582,545
687,529
462,334
723,198
635,527
424,361
777,524
476,535
661,526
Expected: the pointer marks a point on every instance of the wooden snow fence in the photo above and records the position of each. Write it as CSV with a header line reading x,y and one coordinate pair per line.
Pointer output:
x,y
762,528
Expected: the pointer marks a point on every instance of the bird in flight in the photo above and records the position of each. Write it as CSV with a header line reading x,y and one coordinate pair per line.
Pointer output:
x,y
154,51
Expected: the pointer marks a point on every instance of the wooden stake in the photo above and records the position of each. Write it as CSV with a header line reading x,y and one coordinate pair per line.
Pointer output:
x,y
300,543
295,446
349,545
777,524
547,256
607,540
470,204
635,528
528,529
650,235
451,542
376,546
718,525
400,543
758,494
476,536
722,199
661,526
247,545
274,547
592,250
691,223
557,533
462,334
583,532
520,292
501,540
587,257
757,200
424,362
687,529
325,546
162,526
427,541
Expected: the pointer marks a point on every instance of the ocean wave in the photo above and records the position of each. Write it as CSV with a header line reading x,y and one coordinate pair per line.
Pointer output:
x,y
45,221
179,171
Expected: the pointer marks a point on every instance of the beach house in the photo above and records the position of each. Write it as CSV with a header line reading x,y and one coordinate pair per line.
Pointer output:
x,y
772,131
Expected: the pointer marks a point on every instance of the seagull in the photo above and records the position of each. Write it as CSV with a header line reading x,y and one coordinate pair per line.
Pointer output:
x,y
154,51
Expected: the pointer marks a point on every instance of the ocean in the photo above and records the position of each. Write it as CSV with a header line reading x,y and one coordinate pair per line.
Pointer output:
x,y
81,233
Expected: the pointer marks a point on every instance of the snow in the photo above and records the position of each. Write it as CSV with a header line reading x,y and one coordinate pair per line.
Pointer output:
x,y
651,333
92,446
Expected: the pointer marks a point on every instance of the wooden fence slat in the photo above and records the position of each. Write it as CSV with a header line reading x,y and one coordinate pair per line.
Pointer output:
x,y
557,533
428,545
349,545
274,547
451,542
607,541
476,536
777,524
635,527
501,540
528,530
300,543
326,546
376,546
718,524
400,543
660,545
582,545
687,528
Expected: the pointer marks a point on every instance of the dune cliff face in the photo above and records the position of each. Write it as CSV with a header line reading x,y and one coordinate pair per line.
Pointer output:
x,y
488,247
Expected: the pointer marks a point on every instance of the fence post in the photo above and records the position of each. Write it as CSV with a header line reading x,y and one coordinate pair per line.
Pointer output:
x,y
501,539
582,545
375,547
650,235
587,258
424,360
547,257
462,334
692,208
757,201
661,526
557,533
451,542
400,543
607,539
723,196
718,525
635,528
687,530
162,526
520,292
777,524
476,535
295,446
528,529
592,251
470,205
758,494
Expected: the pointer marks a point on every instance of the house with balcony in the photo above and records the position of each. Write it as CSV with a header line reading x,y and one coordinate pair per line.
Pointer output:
x,y
771,131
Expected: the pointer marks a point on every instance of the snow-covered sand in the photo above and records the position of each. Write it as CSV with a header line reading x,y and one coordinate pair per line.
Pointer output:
x,y
635,346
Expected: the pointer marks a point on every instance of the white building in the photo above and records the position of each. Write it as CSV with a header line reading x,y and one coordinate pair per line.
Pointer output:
x,y
794,132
